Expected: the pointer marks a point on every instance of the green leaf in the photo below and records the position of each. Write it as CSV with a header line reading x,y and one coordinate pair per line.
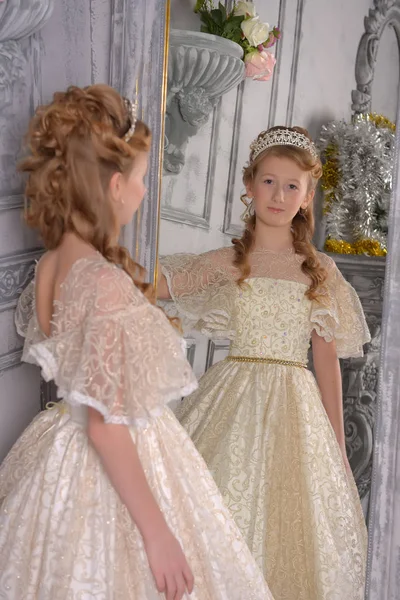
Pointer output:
x,y
237,37
222,11
232,27
217,16
200,5
209,25
238,19
206,19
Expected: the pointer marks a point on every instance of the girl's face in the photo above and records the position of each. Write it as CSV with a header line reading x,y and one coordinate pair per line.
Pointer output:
x,y
128,191
279,189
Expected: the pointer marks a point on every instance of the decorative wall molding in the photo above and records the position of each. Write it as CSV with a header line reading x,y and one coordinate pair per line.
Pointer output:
x,y
190,349
18,20
12,202
213,347
10,360
138,67
12,69
277,69
385,13
384,524
295,63
16,271
118,52
170,213
229,228
360,375
367,275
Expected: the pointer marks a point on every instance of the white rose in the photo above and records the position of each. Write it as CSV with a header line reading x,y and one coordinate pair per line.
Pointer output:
x,y
245,9
254,31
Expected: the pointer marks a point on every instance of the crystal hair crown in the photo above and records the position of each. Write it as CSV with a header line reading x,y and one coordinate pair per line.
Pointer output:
x,y
281,137
131,108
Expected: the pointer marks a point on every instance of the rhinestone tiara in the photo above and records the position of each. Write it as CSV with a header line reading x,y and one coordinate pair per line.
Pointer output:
x,y
131,108
281,137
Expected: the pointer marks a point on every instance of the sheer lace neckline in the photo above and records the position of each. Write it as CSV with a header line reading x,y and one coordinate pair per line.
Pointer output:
x,y
277,281
286,252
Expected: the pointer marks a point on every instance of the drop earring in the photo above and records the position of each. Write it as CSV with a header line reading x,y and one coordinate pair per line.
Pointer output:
x,y
249,204
303,212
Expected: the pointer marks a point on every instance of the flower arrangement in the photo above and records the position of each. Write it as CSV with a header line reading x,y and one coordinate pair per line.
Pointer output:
x,y
243,26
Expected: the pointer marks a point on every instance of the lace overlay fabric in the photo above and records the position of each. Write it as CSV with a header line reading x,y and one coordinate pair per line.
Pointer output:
x,y
266,438
64,533
103,351
207,297
262,428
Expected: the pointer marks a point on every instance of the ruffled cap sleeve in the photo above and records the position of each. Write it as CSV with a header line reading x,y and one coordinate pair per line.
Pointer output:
x,y
338,315
201,289
111,350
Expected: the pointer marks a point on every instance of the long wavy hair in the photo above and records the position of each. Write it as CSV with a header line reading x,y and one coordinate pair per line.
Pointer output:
x,y
76,144
303,225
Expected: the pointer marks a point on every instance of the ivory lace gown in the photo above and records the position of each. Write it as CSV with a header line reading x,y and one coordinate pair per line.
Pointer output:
x,y
262,428
64,533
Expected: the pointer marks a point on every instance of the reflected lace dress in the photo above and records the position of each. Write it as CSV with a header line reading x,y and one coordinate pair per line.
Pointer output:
x,y
64,533
258,420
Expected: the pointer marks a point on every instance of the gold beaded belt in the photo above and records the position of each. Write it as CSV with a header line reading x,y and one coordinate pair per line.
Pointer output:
x,y
266,361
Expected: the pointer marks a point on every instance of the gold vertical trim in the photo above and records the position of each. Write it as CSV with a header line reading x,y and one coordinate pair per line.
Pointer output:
x,y
164,85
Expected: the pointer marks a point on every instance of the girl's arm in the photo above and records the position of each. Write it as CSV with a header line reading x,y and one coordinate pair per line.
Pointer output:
x,y
329,379
120,459
163,292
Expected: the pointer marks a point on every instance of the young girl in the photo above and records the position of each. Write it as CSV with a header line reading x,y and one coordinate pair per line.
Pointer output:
x,y
104,497
274,440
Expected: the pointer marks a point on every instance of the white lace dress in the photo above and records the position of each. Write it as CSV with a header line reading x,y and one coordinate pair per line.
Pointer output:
x,y
64,533
258,420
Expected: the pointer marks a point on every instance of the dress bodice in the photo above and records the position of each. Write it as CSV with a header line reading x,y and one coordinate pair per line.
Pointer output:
x,y
270,315
271,319
109,348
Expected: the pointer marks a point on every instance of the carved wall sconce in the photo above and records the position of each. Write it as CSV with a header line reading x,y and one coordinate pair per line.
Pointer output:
x,y
202,67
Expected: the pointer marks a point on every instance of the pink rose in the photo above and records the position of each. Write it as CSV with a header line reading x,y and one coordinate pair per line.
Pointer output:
x,y
260,65
273,36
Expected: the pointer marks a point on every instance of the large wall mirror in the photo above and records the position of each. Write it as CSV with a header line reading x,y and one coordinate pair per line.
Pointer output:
x,y
334,63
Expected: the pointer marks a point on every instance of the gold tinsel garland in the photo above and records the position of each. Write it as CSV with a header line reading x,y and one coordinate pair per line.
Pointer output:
x,y
381,121
330,176
329,182
369,247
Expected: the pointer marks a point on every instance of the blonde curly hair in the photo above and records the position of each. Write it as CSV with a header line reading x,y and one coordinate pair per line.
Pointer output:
x,y
76,144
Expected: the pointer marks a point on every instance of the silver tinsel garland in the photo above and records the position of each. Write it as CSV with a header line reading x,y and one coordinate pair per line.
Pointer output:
x,y
359,158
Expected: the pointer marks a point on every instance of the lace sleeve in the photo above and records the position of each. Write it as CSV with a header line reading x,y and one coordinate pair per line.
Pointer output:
x,y
25,309
338,314
122,358
201,289
25,321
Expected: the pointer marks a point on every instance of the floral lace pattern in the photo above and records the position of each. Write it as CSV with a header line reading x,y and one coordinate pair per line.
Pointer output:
x,y
206,296
103,352
262,428
64,533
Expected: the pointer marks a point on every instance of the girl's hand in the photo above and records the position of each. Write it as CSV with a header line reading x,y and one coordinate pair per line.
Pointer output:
x,y
168,564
